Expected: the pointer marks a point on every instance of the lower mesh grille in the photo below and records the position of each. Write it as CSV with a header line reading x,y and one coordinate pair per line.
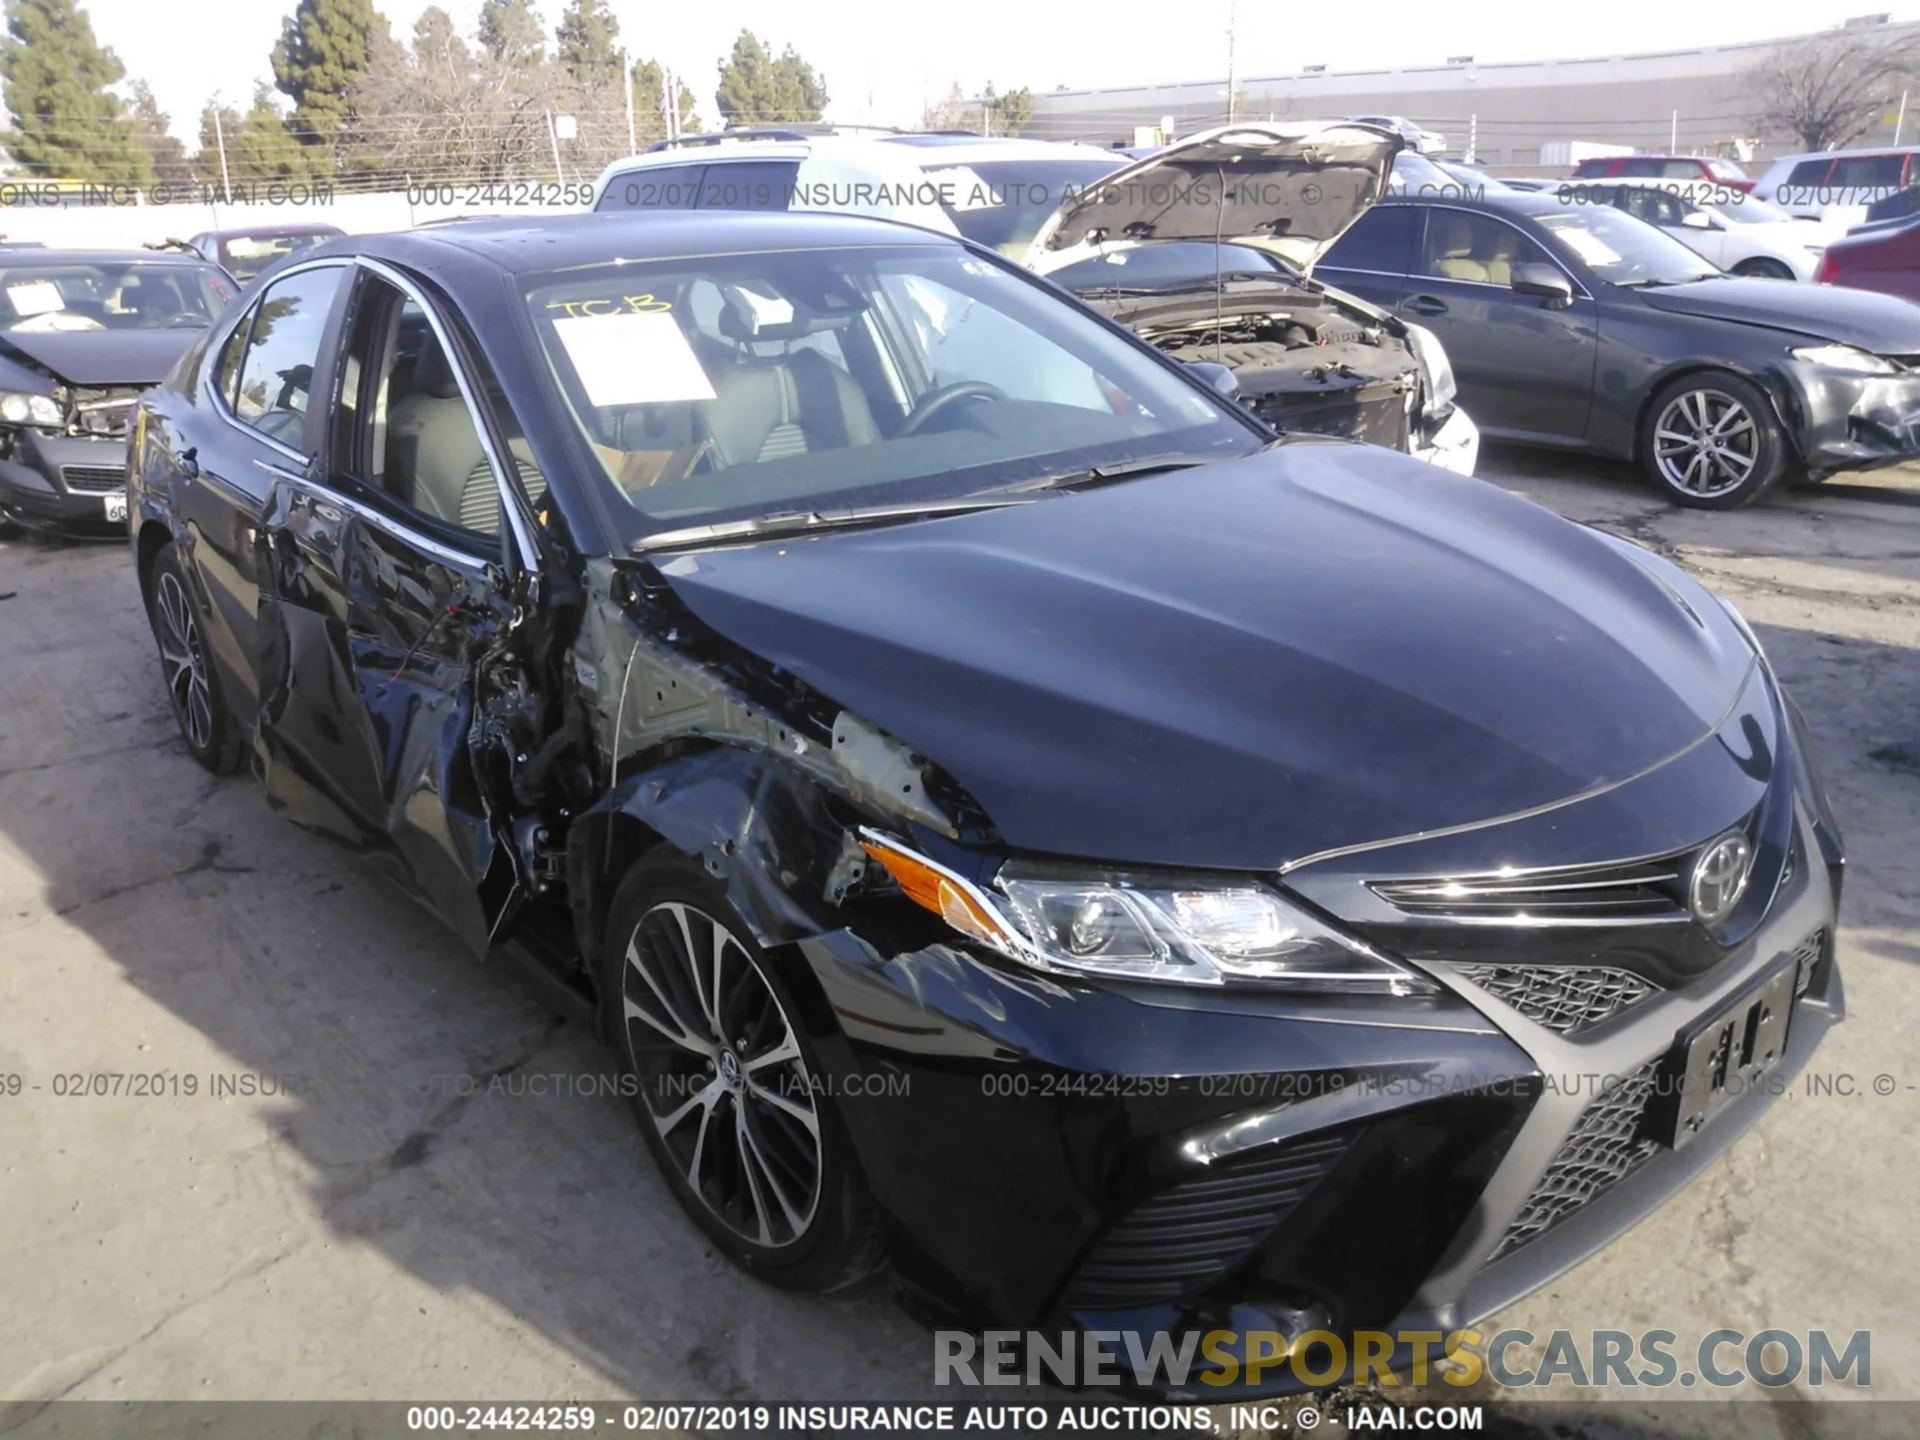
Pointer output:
x,y
1565,999
1602,1150
1182,1240
93,479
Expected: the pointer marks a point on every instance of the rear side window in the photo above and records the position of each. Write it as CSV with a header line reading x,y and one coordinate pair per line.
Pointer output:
x,y
283,346
1380,240
1809,172
1641,167
660,187
749,185
1869,170
1590,169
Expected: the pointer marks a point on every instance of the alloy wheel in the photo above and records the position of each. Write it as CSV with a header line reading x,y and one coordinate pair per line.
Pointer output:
x,y
726,1085
1706,443
183,658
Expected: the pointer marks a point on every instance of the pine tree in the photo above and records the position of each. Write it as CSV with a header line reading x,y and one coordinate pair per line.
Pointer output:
x,y
323,49
259,145
589,42
510,31
165,153
758,89
65,123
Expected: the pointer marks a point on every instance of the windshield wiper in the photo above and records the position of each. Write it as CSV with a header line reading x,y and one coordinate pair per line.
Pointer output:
x,y
808,522
1095,475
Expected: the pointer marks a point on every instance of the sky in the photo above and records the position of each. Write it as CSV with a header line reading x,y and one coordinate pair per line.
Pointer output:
x,y
884,60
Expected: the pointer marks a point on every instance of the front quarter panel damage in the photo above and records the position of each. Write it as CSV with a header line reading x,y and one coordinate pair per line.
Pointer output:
x,y
1839,421
735,763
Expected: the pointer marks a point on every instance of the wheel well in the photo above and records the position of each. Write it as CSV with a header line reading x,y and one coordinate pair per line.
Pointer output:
x,y
153,538
1685,372
614,845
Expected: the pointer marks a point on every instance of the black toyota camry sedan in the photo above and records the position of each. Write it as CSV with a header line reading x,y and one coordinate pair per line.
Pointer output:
x,y
1014,816
1572,324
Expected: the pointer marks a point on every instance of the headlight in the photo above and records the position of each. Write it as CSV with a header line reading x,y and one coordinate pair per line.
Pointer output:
x,y
19,409
1844,357
1137,926
1435,369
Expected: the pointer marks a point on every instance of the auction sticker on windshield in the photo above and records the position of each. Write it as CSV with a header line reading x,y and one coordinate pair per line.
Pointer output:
x,y
35,297
633,359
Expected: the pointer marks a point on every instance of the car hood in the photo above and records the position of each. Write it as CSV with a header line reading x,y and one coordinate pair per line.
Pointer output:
x,y
1246,663
102,357
1296,187
1879,323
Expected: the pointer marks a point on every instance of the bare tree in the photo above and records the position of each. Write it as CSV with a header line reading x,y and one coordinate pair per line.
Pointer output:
x,y
1829,90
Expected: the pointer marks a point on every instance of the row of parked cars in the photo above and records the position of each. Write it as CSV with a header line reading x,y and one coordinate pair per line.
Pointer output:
x,y
1025,803
1330,278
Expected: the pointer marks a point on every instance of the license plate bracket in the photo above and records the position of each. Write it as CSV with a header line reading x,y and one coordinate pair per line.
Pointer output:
x,y
115,504
1721,1058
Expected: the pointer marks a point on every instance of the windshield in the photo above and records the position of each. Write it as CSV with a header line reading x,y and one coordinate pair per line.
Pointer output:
x,y
1170,264
1750,210
1003,203
1725,170
1622,250
732,387
108,296
248,255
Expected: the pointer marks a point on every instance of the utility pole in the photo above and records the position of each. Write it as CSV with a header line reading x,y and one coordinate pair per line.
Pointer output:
x,y
626,74
220,143
553,137
1900,120
1233,99
1673,135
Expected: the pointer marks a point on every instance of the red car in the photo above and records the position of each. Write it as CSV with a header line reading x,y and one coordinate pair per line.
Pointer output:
x,y
1664,167
1887,260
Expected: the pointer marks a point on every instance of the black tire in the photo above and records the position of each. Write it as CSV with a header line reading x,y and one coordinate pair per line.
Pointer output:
x,y
816,1239
8,529
1718,432
1761,269
192,679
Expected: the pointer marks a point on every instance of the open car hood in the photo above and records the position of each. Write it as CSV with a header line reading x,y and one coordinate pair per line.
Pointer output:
x,y
1295,187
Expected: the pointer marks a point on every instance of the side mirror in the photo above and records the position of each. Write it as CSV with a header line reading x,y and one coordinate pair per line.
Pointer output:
x,y
1217,376
1697,220
1534,277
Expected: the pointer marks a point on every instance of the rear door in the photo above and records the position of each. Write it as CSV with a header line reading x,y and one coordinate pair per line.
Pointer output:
x,y
1372,258
393,565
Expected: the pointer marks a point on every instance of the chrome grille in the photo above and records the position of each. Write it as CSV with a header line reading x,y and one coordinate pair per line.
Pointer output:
x,y
1565,999
1808,953
1182,1240
93,479
1598,892
1602,1149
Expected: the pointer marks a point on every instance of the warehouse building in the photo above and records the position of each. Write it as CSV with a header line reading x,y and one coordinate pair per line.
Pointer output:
x,y
1514,115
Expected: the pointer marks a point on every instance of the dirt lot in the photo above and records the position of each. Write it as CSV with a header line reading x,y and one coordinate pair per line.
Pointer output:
x,y
366,1233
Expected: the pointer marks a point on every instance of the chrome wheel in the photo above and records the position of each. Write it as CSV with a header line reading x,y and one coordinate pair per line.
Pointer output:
x,y
183,659
726,1086
1706,443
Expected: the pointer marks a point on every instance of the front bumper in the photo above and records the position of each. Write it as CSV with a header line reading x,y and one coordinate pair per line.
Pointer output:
x,y
66,485
1842,421
1053,1155
1454,446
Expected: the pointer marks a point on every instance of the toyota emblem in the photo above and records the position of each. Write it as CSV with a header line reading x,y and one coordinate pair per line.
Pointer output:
x,y
1719,878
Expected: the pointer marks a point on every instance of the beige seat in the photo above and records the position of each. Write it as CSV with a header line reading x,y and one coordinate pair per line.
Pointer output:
x,y
1454,255
1506,254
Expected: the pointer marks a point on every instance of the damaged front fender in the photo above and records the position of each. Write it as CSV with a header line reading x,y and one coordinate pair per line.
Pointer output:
x,y
1838,420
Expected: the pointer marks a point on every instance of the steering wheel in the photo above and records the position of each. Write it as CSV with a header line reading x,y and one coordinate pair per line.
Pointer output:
x,y
947,396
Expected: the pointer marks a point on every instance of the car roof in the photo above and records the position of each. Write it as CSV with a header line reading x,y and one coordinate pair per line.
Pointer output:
x,y
34,255
926,148
537,244
1504,201
314,227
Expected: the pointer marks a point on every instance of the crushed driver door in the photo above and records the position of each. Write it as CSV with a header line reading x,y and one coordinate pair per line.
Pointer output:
x,y
412,593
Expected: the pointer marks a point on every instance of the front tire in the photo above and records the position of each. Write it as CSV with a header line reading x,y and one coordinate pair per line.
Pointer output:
x,y
729,1096
1712,442
1763,269
186,663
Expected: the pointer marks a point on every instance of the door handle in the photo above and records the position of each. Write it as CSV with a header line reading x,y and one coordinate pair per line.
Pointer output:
x,y
1426,305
